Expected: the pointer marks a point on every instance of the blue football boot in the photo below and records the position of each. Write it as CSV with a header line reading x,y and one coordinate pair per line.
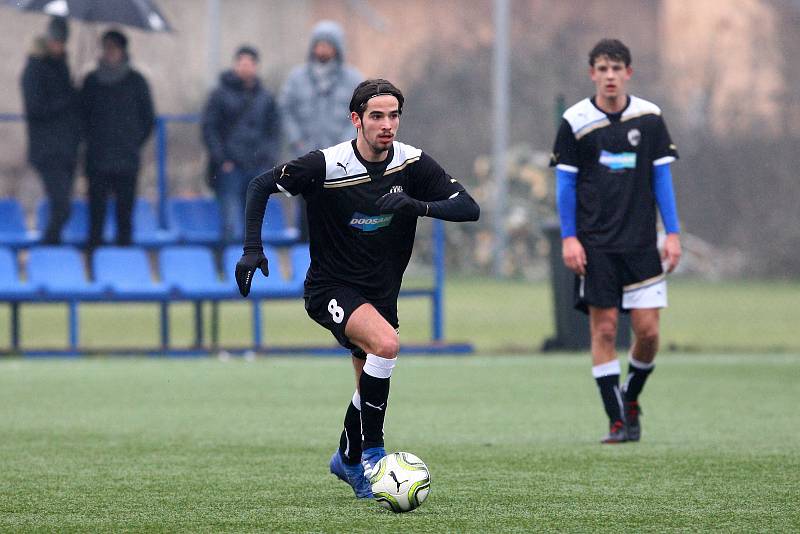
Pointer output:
x,y
353,475
370,458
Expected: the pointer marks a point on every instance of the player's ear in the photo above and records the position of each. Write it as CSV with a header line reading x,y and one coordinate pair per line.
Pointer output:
x,y
356,119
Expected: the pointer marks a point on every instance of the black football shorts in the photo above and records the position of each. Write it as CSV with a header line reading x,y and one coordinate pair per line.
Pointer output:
x,y
331,306
624,280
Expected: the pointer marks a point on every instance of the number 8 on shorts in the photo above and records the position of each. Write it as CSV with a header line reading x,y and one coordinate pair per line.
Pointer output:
x,y
336,311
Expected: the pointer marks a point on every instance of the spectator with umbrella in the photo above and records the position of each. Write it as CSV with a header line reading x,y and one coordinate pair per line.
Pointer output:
x,y
53,119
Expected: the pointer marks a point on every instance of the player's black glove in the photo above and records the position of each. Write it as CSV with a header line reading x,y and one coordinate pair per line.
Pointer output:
x,y
246,269
401,203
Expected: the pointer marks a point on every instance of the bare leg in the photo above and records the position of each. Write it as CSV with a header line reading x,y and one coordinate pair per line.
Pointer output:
x,y
645,323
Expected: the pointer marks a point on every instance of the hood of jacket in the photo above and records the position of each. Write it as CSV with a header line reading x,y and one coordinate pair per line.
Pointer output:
x,y
329,31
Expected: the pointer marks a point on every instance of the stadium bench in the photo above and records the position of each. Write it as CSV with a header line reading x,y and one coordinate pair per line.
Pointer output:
x,y
146,232
76,229
126,273
13,231
58,273
197,222
190,272
12,289
278,284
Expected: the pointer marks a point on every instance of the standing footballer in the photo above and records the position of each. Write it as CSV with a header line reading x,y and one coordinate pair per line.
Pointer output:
x,y
612,156
363,199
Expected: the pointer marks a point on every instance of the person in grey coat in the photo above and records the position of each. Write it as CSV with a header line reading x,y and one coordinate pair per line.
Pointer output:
x,y
316,95
315,98
241,130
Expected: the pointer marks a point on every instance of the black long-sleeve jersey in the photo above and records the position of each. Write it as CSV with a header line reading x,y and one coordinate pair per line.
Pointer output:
x,y
351,242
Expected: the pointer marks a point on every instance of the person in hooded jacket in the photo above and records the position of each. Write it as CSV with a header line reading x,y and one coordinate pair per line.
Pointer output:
x,y
241,129
53,119
315,98
118,117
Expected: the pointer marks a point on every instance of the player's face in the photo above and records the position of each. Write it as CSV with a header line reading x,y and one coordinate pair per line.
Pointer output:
x,y
377,128
609,77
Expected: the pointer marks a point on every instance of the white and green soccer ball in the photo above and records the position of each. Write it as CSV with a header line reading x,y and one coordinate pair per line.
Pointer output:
x,y
400,482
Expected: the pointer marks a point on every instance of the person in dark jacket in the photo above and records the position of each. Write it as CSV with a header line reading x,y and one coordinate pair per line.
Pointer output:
x,y
119,117
52,114
241,130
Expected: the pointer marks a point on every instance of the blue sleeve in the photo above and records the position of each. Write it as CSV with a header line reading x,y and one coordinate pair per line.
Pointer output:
x,y
665,198
566,200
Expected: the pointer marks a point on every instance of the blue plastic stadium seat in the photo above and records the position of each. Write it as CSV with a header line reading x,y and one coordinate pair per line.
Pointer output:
x,y
190,271
11,287
76,230
274,231
278,284
59,272
196,220
301,261
13,231
146,232
126,272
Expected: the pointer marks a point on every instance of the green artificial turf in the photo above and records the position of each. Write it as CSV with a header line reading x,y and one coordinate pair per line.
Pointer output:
x,y
157,445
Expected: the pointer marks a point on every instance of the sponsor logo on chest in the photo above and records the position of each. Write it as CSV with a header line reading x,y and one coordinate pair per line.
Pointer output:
x,y
370,223
618,161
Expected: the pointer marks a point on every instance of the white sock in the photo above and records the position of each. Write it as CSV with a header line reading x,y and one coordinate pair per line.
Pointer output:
x,y
606,369
379,367
640,365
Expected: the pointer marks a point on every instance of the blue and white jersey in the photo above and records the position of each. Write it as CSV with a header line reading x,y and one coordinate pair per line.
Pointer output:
x,y
613,156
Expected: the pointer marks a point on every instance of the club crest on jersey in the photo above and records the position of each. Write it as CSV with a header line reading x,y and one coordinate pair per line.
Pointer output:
x,y
634,137
618,162
370,223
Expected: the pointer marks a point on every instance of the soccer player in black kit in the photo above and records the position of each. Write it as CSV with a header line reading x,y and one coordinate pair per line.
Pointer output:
x,y
363,199
612,156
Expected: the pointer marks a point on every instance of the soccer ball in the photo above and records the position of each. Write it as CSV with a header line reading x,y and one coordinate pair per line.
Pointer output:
x,y
400,482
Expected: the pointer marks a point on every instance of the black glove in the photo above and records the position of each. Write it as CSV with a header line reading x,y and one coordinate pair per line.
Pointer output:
x,y
401,203
246,268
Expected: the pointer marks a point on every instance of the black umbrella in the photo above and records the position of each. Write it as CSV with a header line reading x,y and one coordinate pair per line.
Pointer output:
x,y
141,14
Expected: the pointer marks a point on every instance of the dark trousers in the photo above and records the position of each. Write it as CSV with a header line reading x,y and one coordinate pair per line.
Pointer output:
x,y
57,181
101,187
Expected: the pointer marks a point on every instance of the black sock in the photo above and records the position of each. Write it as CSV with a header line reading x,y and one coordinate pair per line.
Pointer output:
x,y
350,442
635,382
612,398
374,400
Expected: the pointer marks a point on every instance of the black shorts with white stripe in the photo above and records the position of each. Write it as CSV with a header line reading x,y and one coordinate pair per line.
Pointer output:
x,y
609,274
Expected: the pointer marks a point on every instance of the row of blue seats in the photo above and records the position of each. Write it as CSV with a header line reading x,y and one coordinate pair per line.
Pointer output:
x,y
189,220
58,273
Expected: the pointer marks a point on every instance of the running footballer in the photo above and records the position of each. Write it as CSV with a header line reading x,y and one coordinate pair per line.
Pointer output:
x,y
363,200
